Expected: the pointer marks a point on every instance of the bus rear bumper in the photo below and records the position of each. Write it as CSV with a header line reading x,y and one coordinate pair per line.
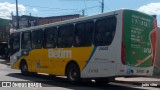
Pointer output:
x,y
136,71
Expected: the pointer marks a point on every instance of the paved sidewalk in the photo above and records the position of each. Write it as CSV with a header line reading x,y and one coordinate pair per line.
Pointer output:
x,y
140,80
3,61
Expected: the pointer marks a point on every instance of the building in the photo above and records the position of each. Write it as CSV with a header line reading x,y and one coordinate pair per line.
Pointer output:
x,y
46,20
4,35
28,21
4,30
24,21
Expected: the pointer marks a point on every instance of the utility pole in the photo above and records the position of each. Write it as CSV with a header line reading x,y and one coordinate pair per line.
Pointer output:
x,y
17,17
83,12
102,6
12,25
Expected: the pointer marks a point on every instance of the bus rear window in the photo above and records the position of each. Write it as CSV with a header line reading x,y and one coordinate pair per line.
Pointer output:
x,y
104,31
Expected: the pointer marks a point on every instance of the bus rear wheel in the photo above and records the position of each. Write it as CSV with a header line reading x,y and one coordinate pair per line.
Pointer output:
x,y
73,73
24,68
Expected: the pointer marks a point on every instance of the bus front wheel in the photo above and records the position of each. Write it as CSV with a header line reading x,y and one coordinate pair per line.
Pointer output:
x,y
73,73
24,68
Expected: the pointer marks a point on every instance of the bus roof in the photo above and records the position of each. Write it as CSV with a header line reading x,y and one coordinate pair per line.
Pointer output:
x,y
115,12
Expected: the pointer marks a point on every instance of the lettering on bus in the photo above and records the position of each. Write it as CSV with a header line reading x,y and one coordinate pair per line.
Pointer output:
x,y
147,50
138,20
93,70
60,53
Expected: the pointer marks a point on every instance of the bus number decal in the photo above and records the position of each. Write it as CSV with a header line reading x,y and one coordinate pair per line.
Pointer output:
x,y
60,53
93,71
103,48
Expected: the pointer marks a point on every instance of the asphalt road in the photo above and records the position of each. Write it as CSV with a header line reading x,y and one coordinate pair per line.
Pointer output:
x,y
57,83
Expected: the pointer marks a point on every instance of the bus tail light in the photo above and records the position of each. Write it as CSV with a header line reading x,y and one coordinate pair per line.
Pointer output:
x,y
153,47
123,54
153,41
152,61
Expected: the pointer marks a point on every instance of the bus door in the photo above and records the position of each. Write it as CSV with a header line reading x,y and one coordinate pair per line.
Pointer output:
x,y
14,44
26,49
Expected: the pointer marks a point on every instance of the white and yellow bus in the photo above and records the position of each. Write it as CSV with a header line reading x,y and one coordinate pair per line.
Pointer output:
x,y
118,43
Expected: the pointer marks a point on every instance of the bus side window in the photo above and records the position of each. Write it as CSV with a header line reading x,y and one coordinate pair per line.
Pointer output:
x,y
37,39
104,31
14,43
50,40
26,40
83,34
65,36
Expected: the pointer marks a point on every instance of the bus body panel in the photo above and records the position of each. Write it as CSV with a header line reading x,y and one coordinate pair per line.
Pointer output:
x,y
42,61
14,60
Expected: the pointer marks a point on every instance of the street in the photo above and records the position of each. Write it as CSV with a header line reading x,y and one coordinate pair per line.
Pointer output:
x,y
58,83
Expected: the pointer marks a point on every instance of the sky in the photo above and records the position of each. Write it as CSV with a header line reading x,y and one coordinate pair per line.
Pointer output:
x,y
45,8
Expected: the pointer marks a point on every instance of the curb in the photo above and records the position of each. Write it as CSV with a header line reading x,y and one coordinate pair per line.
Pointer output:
x,y
129,82
2,61
139,83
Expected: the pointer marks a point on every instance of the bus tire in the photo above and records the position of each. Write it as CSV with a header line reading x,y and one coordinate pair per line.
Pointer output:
x,y
73,73
24,68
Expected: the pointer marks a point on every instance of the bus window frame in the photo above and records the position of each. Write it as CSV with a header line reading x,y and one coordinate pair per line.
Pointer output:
x,y
96,31
85,26
23,40
54,28
59,42
33,38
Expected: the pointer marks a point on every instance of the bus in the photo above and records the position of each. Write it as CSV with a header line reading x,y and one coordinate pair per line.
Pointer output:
x,y
99,47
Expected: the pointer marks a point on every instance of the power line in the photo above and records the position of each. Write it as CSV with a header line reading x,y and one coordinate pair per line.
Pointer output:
x,y
44,7
83,10
92,7
48,7
79,11
60,9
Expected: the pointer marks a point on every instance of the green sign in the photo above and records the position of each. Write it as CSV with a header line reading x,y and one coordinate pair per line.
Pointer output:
x,y
4,22
137,27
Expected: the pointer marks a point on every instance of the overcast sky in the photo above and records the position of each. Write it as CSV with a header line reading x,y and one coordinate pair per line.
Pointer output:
x,y
45,8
